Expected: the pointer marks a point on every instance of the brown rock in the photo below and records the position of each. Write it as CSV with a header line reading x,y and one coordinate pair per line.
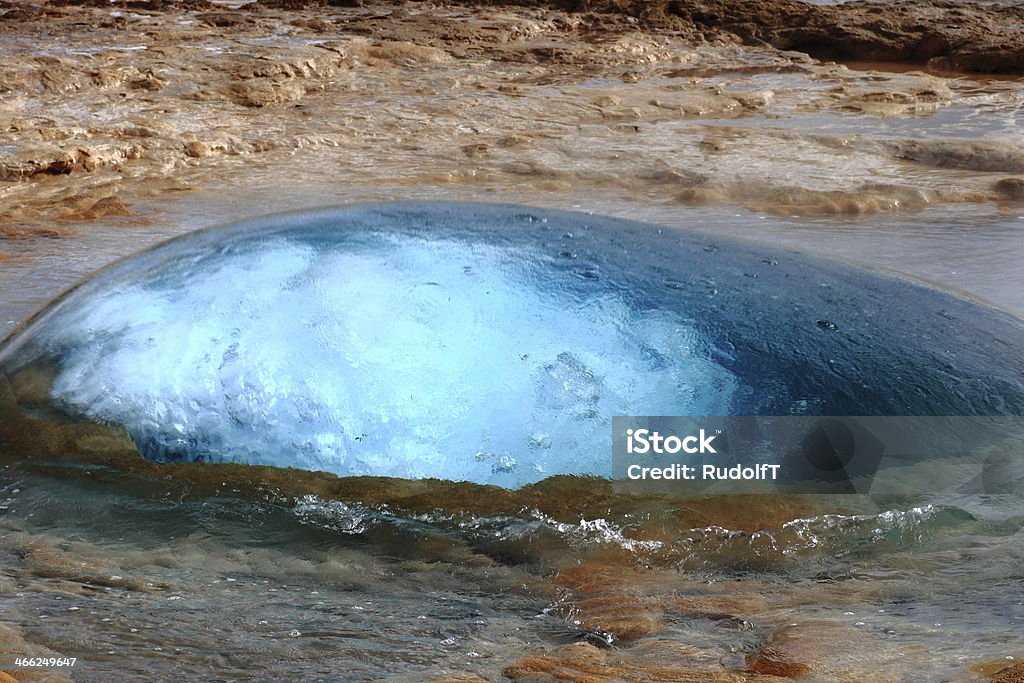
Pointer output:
x,y
264,93
197,149
829,649
316,24
20,14
148,81
109,206
475,151
223,19
287,4
970,37
62,165
971,155
609,595
777,663
584,663
626,617
18,170
17,232
1014,674
101,208
1009,188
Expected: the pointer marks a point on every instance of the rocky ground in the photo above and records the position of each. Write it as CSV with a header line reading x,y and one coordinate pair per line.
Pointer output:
x,y
974,37
106,108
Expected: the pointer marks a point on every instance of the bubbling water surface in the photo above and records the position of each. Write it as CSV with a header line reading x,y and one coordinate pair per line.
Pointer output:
x,y
489,343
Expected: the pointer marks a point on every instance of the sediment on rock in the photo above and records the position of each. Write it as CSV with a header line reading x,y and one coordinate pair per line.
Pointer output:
x,y
964,36
1011,674
529,97
968,36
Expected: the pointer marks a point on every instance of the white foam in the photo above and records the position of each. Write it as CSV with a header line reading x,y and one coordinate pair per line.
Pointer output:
x,y
412,359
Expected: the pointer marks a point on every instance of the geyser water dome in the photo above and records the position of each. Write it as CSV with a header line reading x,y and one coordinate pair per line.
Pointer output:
x,y
488,343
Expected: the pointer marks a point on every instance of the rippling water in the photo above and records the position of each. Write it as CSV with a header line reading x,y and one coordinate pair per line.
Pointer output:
x,y
233,587
971,249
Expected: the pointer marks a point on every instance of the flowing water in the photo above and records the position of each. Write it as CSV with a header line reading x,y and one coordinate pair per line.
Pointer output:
x,y
150,585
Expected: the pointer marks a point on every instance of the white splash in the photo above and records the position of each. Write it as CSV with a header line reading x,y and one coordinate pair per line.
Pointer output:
x,y
402,357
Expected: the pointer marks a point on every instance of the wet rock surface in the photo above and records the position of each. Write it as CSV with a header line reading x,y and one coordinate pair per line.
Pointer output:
x,y
155,99
1011,674
983,37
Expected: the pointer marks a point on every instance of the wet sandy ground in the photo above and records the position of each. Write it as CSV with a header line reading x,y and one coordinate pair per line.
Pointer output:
x,y
144,105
